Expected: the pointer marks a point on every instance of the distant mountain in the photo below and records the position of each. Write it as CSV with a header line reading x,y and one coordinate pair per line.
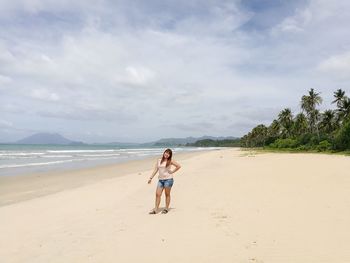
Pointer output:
x,y
184,141
47,138
55,138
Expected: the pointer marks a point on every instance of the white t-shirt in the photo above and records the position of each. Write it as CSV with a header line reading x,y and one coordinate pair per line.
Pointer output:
x,y
164,171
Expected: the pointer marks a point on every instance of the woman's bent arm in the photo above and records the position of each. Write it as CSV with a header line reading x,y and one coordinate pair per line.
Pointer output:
x,y
177,165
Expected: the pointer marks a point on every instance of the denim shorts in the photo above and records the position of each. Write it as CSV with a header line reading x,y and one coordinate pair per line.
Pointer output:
x,y
165,183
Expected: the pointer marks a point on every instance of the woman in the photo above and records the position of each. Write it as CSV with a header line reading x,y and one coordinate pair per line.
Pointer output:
x,y
165,179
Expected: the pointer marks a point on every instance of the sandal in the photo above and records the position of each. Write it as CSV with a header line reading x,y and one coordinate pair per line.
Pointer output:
x,y
152,212
165,211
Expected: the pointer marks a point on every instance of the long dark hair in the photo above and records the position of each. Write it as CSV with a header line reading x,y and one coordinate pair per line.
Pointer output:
x,y
169,159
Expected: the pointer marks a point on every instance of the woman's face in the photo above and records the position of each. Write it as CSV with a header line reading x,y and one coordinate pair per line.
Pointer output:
x,y
166,155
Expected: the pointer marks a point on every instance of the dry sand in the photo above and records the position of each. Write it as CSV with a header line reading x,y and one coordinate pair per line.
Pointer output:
x,y
227,206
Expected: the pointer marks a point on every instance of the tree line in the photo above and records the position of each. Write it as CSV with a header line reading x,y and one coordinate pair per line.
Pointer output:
x,y
309,129
216,143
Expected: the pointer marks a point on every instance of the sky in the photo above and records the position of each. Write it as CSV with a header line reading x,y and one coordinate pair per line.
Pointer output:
x,y
137,71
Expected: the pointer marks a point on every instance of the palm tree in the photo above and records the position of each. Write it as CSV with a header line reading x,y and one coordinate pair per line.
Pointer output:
x,y
345,109
308,104
285,118
259,135
274,129
300,124
328,121
244,141
339,95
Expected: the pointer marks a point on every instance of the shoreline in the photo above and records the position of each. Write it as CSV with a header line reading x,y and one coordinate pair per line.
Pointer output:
x,y
28,159
22,187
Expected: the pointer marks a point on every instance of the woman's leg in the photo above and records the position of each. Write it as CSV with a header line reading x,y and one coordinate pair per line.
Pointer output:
x,y
167,197
159,192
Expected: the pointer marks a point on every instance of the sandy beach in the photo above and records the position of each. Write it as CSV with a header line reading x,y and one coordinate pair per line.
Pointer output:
x,y
227,205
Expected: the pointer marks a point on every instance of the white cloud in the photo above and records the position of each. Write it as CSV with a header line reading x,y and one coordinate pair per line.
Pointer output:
x,y
137,76
316,17
5,124
44,95
35,6
296,23
338,65
4,80
137,70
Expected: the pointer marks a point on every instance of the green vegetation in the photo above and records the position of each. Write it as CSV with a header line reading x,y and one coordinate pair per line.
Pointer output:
x,y
309,130
215,143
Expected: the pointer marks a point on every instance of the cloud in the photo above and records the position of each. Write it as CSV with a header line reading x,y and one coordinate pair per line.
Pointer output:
x,y
296,23
203,127
259,114
92,114
183,68
338,65
4,80
36,6
44,95
266,14
5,124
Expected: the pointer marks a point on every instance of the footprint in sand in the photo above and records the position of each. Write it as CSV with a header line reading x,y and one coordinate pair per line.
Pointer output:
x,y
219,215
247,155
251,245
222,222
255,260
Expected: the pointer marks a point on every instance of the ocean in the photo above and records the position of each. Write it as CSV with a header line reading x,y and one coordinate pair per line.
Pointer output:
x,y
24,159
